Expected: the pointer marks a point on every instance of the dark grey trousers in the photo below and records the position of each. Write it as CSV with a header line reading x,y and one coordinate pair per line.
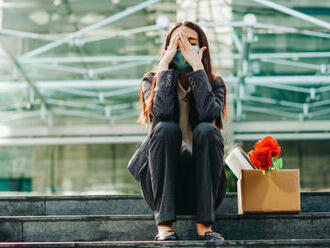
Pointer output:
x,y
178,180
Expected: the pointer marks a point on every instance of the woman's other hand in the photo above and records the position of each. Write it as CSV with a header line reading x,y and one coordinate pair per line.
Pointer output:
x,y
194,59
169,53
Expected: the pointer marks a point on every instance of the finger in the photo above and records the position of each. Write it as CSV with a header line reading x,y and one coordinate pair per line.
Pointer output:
x,y
180,38
177,41
184,40
181,44
174,40
200,54
202,50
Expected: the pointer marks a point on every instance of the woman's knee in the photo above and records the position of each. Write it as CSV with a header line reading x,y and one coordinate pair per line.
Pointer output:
x,y
207,129
168,129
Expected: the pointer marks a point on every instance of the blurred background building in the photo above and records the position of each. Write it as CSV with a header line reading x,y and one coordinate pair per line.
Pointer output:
x,y
70,74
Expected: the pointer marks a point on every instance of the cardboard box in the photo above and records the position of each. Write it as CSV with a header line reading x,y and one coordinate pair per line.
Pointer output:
x,y
276,191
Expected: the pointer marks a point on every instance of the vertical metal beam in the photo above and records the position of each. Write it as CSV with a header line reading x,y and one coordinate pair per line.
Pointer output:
x,y
53,157
247,39
1,14
114,166
188,10
233,32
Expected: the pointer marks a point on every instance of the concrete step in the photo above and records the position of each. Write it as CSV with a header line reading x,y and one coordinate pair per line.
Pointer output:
x,y
124,204
142,227
288,243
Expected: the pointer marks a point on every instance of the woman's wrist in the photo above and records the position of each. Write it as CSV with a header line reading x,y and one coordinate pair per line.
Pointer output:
x,y
163,66
198,66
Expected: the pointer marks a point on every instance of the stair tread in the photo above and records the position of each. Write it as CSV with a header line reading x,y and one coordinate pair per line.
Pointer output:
x,y
127,196
124,204
258,226
180,243
149,216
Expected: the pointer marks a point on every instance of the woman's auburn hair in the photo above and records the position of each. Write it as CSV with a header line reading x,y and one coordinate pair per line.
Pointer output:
x,y
206,60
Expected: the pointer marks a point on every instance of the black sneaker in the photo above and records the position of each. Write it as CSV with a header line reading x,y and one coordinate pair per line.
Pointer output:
x,y
210,235
171,235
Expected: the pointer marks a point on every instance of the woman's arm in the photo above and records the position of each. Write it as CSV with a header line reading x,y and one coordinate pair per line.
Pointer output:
x,y
165,92
209,103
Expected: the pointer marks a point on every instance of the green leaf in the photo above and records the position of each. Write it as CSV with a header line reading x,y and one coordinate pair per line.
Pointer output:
x,y
280,161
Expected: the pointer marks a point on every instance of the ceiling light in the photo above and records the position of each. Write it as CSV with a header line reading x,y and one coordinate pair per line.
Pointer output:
x,y
250,19
39,17
162,21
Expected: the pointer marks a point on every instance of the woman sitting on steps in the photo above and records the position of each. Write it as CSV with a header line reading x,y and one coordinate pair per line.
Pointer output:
x,y
180,165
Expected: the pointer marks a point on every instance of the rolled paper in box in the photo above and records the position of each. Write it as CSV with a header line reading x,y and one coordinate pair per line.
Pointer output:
x,y
276,191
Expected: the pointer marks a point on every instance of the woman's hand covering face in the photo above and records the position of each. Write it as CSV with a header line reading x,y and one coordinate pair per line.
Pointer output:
x,y
188,52
170,51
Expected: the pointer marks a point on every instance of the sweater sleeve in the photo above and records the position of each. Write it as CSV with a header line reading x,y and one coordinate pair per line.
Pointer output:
x,y
165,92
209,102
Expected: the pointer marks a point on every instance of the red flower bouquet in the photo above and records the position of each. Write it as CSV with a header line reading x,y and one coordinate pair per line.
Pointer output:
x,y
265,155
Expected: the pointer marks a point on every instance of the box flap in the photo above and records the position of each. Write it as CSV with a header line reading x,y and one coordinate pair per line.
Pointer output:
x,y
239,196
